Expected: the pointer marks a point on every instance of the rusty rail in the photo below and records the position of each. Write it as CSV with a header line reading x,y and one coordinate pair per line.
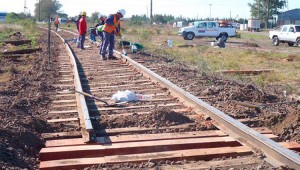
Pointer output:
x,y
87,130
276,154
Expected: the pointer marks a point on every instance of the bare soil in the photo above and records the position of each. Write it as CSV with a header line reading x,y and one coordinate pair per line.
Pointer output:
x,y
221,93
24,101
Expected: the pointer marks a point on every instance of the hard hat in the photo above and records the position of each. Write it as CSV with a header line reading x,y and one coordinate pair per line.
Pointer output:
x,y
100,15
122,12
83,13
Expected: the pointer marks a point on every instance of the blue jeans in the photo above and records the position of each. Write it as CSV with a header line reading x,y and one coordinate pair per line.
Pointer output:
x,y
82,39
100,34
108,39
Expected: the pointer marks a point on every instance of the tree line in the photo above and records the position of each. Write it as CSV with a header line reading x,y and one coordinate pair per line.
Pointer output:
x,y
261,9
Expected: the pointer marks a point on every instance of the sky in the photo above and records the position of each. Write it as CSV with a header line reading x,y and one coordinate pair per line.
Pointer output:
x,y
185,8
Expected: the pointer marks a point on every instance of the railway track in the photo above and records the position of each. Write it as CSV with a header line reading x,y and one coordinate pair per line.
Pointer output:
x,y
173,126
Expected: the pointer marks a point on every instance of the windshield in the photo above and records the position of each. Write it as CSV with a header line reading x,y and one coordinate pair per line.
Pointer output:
x,y
297,28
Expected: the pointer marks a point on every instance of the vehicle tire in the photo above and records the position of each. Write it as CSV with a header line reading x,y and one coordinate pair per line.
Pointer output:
x,y
189,36
291,44
275,41
298,42
223,37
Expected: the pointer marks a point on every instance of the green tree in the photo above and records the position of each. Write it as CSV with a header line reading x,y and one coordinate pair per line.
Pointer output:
x,y
263,9
62,15
94,17
139,20
46,8
12,17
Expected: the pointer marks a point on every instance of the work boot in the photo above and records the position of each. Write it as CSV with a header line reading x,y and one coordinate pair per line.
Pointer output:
x,y
103,57
112,57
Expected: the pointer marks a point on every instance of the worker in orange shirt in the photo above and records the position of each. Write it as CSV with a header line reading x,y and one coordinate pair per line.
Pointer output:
x,y
111,28
56,22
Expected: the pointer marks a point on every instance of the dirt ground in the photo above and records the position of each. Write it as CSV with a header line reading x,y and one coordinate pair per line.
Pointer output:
x,y
223,93
24,103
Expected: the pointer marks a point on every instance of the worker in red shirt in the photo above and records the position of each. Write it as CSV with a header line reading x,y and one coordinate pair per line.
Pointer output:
x,y
110,29
82,29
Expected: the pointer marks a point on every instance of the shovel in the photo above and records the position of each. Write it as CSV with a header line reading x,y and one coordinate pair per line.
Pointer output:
x,y
101,100
122,45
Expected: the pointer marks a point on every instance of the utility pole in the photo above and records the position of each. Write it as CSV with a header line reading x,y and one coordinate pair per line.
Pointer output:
x,y
258,6
25,6
39,10
209,11
268,13
151,17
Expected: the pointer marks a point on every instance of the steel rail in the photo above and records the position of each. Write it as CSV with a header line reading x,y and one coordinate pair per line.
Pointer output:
x,y
275,154
87,129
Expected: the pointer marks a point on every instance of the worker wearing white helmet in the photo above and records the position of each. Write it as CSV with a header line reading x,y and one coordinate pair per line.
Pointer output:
x,y
111,28
99,27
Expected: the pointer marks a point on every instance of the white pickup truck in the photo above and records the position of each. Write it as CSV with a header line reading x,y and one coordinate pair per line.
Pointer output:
x,y
286,34
207,29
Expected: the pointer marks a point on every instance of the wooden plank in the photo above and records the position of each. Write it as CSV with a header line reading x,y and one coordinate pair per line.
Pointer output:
x,y
63,105
121,85
17,42
63,111
134,88
100,104
62,135
64,101
263,130
137,107
83,151
124,86
189,154
136,138
247,161
62,120
143,137
254,72
185,110
23,51
291,145
66,80
113,83
63,85
117,77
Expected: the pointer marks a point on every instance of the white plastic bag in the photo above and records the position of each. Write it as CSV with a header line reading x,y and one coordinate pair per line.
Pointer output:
x,y
124,96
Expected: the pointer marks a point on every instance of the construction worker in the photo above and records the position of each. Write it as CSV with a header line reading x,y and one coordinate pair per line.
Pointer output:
x,y
94,31
82,28
77,21
111,27
56,22
99,28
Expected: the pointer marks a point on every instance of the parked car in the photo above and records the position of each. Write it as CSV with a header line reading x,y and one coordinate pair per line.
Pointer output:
x,y
207,29
286,34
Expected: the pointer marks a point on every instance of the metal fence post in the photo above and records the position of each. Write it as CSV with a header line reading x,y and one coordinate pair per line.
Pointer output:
x,y
49,41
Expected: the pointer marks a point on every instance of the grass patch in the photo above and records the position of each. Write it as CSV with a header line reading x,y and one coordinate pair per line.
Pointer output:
x,y
255,36
211,60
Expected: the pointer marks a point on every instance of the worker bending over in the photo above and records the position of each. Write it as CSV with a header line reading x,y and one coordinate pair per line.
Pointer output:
x,y
111,28
99,27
